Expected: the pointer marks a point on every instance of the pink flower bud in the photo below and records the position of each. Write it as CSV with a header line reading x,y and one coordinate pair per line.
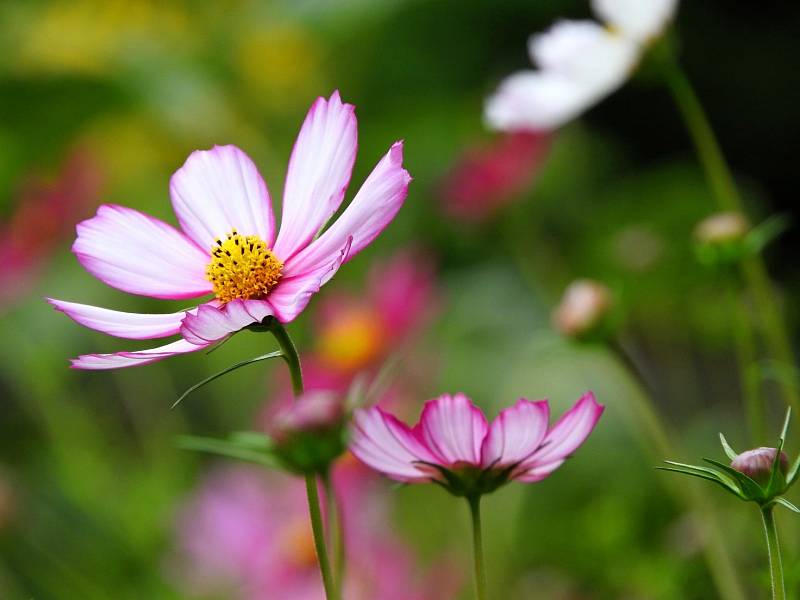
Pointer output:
x,y
722,228
311,412
757,464
584,305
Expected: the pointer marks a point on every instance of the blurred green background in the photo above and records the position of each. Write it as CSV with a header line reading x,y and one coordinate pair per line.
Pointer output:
x,y
101,101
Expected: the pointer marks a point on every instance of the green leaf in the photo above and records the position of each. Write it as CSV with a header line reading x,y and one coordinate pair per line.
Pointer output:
x,y
765,232
785,428
730,452
748,485
252,439
792,474
695,469
244,363
784,502
700,475
228,449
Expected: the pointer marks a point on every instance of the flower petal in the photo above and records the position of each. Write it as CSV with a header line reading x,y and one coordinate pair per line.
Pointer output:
x,y
566,435
212,323
453,429
133,326
389,446
634,18
372,209
318,174
515,433
293,294
219,190
136,253
120,360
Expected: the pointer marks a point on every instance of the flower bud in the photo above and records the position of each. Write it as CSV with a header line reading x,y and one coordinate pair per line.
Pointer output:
x,y
583,308
721,238
757,464
309,433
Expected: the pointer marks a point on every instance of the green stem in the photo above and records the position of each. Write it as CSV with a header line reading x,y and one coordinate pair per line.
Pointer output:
x,y
477,547
722,183
292,358
774,552
336,529
655,437
744,345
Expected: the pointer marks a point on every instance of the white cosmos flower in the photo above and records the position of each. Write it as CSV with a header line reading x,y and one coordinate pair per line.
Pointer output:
x,y
579,63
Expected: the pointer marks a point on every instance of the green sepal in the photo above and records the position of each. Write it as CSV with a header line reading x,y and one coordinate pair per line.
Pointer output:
x,y
239,448
726,486
749,486
729,452
791,476
784,502
760,236
726,481
244,363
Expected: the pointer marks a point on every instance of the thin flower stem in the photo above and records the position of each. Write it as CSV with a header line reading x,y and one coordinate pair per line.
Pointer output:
x,y
336,532
722,183
477,547
290,355
655,436
774,552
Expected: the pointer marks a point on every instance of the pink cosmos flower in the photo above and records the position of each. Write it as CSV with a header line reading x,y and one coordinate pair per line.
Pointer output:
x,y
245,535
485,179
453,444
229,246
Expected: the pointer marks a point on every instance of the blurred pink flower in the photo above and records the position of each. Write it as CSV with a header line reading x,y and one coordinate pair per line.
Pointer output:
x,y
45,213
354,332
454,445
487,178
229,246
246,532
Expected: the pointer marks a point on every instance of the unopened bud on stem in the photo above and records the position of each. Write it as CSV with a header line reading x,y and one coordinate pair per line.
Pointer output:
x,y
757,464
583,308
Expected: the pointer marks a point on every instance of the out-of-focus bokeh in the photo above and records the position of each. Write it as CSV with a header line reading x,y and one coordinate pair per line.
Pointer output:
x,y
102,100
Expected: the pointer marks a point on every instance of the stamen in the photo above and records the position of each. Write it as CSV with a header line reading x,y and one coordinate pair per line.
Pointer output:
x,y
253,273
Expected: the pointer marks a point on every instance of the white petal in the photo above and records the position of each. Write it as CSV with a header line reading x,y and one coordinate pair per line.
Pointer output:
x,y
120,360
211,323
219,190
318,175
136,253
640,20
133,326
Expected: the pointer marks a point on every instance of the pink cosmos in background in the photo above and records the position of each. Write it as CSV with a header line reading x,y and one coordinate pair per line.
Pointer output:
x,y
46,209
245,535
485,179
228,245
454,438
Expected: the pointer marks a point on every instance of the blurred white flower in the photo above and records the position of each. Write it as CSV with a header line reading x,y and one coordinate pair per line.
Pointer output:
x,y
580,62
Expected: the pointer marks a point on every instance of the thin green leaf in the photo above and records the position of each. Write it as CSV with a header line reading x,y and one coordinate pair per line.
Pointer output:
x,y
748,485
207,380
765,232
784,502
227,449
727,481
792,475
785,427
719,482
252,439
730,452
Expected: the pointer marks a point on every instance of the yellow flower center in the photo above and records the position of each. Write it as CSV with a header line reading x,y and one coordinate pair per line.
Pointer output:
x,y
352,341
242,267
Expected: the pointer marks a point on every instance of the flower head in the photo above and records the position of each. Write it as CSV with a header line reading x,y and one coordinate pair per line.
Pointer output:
x,y
761,475
228,244
580,62
453,444
583,308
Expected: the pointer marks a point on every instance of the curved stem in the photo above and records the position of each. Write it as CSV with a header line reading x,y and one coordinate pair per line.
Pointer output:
x,y
290,355
722,183
477,547
774,552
